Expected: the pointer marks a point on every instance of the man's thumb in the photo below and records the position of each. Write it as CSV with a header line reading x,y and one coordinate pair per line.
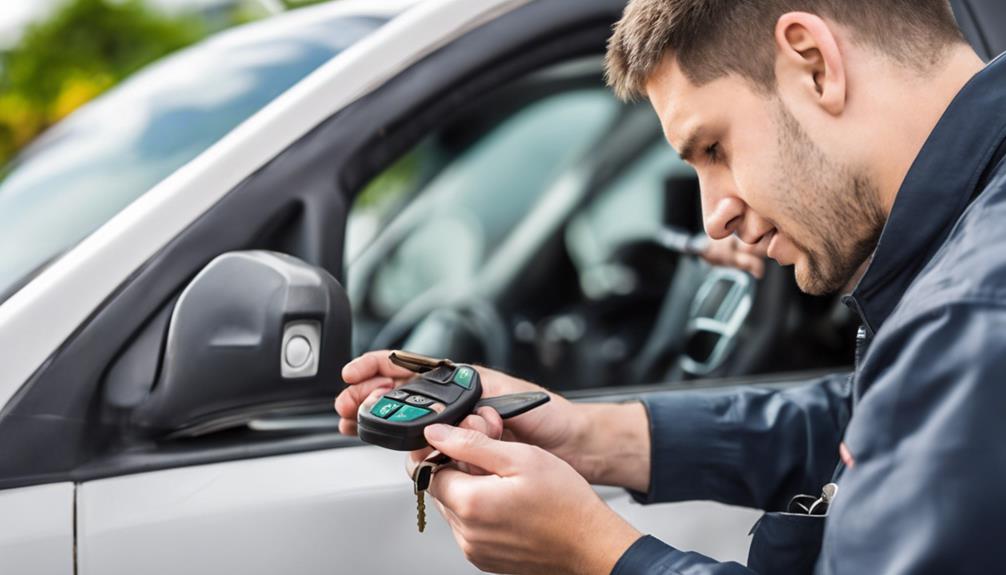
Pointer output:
x,y
472,447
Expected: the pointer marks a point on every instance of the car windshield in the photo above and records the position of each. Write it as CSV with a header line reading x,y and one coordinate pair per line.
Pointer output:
x,y
86,169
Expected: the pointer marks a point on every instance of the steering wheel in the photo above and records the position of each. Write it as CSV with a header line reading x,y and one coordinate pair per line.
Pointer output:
x,y
435,326
714,322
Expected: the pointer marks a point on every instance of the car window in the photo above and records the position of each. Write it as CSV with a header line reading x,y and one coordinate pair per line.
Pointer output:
x,y
530,236
630,208
463,213
90,166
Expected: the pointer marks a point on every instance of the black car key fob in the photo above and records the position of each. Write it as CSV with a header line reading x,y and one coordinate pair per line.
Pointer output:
x,y
441,392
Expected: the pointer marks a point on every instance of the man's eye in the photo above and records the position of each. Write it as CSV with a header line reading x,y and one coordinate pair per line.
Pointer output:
x,y
713,153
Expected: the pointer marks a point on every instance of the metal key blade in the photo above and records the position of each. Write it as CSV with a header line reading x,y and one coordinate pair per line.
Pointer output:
x,y
421,510
417,363
422,475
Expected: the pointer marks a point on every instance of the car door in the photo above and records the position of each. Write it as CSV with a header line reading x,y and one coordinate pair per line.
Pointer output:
x,y
476,210
59,419
287,491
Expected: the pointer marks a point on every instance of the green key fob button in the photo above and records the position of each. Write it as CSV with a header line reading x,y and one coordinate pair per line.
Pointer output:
x,y
439,392
409,413
385,407
463,377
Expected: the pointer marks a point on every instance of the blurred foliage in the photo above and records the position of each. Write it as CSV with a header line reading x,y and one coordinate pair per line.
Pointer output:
x,y
88,46
84,48
301,3
394,182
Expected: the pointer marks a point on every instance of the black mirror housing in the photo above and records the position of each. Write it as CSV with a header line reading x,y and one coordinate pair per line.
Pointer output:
x,y
253,332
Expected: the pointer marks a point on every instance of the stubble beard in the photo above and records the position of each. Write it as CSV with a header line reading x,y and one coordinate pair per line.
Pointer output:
x,y
838,206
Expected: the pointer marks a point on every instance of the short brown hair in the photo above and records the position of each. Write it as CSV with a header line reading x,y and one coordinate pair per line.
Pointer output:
x,y
713,38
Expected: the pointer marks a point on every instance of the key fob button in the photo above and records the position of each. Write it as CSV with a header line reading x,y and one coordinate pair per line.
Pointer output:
x,y
463,377
441,374
440,392
409,413
385,407
418,400
446,394
396,394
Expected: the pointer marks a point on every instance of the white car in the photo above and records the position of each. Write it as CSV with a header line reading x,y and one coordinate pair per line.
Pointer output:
x,y
172,260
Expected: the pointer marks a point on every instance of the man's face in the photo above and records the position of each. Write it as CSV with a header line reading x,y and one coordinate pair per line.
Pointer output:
x,y
764,179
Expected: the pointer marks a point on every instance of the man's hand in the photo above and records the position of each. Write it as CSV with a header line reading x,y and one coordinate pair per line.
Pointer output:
x,y
732,252
606,444
554,426
532,513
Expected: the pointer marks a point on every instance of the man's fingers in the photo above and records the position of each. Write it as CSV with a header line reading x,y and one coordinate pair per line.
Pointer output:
x,y
347,427
493,422
759,249
456,525
415,458
473,447
372,364
733,252
453,489
486,421
478,424
751,264
481,422
349,400
374,397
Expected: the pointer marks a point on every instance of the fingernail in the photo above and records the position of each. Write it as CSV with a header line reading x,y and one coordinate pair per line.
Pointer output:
x,y
437,432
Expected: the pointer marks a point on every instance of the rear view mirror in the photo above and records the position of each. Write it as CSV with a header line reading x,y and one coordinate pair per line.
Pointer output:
x,y
253,332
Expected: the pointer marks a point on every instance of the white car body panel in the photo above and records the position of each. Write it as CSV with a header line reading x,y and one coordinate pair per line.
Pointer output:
x,y
712,529
315,513
75,285
36,530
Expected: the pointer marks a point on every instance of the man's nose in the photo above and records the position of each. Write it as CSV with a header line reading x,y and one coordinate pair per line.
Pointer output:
x,y
731,216
724,218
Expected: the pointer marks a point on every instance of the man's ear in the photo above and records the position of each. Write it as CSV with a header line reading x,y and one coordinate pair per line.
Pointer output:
x,y
808,57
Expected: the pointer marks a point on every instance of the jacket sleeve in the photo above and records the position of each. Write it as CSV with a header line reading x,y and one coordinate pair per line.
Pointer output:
x,y
749,447
925,494
649,555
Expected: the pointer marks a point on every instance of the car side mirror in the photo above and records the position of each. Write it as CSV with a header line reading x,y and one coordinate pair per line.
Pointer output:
x,y
253,332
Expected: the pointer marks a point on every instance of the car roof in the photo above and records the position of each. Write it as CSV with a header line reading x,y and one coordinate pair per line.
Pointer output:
x,y
258,32
287,22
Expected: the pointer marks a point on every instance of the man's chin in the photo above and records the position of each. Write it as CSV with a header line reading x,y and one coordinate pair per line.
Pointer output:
x,y
812,282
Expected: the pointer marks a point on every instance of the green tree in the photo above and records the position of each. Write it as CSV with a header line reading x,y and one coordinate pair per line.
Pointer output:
x,y
86,47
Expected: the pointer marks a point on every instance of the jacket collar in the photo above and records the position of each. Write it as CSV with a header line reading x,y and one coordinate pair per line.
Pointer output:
x,y
952,166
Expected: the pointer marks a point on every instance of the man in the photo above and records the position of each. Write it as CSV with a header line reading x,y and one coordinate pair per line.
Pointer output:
x,y
861,141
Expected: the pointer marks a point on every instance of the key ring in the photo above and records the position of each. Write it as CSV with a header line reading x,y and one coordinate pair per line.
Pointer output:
x,y
809,505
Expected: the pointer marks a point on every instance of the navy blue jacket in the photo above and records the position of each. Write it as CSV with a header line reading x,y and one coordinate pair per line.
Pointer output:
x,y
923,415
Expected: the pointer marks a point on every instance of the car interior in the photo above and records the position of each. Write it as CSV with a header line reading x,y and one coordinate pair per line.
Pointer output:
x,y
525,233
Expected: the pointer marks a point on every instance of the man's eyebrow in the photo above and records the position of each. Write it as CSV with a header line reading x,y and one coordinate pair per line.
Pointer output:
x,y
690,146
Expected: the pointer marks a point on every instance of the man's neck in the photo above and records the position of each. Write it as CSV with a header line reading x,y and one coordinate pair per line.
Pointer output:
x,y
923,104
